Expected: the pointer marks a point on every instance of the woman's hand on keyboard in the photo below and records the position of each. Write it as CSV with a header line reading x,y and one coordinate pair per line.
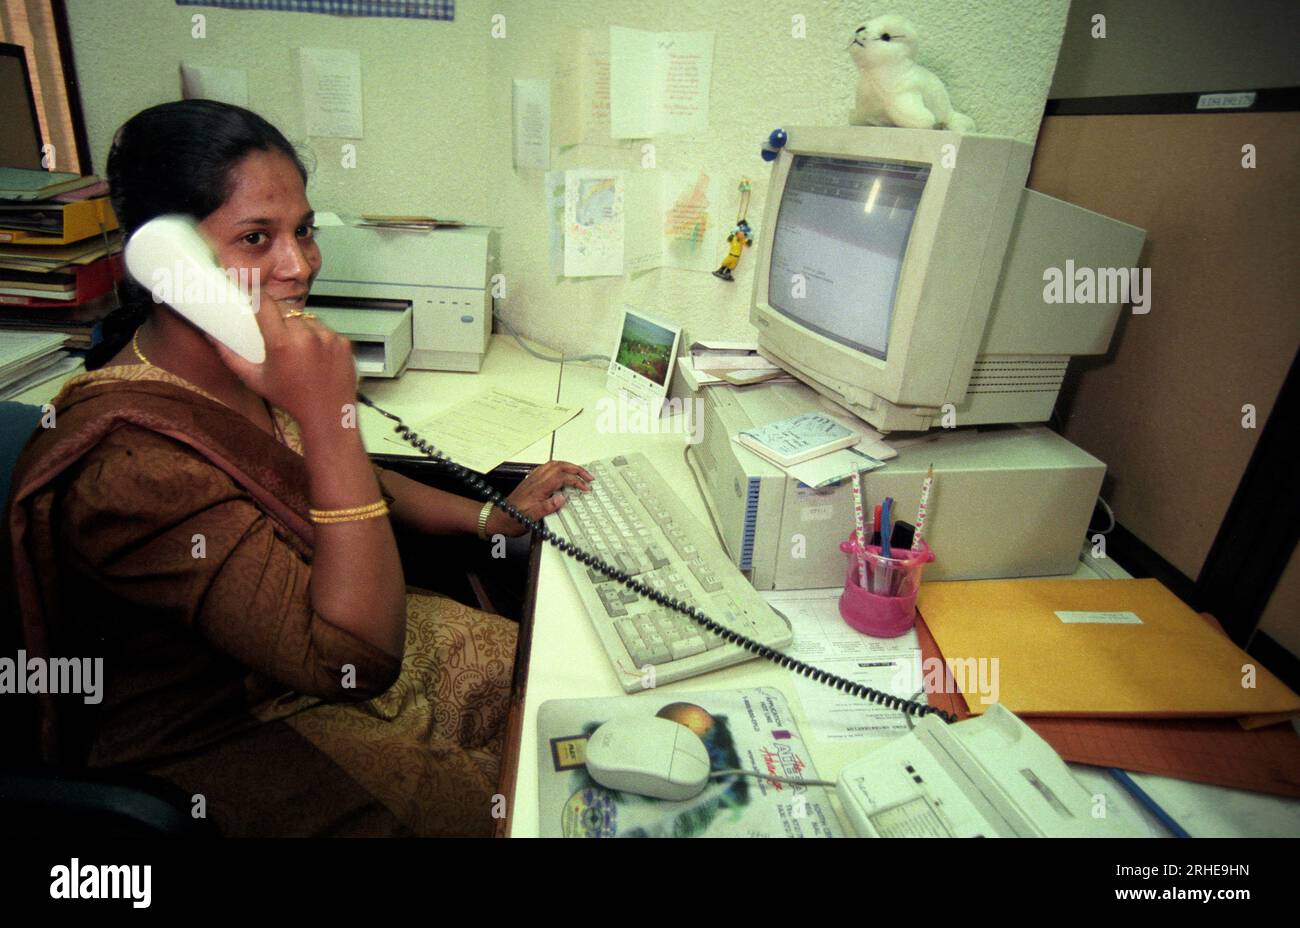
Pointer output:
x,y
539,495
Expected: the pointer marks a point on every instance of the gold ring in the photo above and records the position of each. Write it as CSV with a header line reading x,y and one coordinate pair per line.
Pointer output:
x,y
299,314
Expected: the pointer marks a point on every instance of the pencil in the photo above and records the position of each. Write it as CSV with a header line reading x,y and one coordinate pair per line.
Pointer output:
x,y
860,527
1123,779
922,510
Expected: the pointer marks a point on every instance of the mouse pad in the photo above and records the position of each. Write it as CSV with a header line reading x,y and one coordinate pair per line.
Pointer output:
x,y
750,729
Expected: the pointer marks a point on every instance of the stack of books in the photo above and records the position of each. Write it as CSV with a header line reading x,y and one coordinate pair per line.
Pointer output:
x,y
735,364
60,254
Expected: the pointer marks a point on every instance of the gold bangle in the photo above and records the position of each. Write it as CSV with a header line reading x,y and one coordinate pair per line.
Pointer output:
x,y
359,517
316,515
355,510
483,515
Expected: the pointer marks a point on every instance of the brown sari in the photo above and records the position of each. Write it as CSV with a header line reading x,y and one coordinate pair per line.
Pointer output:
x,y
154,527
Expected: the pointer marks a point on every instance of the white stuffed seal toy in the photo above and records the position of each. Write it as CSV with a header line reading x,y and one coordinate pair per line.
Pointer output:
x,y
893,90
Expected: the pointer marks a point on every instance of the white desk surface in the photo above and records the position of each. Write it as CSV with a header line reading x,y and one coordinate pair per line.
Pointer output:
x,y
418,396
567,660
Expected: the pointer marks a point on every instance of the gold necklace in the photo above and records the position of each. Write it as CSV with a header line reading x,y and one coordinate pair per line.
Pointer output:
x,y
276,431
135,346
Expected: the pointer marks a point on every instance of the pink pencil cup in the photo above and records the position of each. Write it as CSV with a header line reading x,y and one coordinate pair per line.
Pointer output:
x,y
887,608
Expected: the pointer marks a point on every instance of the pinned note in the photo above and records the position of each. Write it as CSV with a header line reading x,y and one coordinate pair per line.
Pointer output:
x,y
670,215
331,92
532,125
659,82
582,118
587,239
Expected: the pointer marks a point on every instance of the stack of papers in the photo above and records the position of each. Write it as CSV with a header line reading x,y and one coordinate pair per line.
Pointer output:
x,y
800,438
409,223
710,364
52,258
486,431
65,366
817,449
822,638
24,185
24,355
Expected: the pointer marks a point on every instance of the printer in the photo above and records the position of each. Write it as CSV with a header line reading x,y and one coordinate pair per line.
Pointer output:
x,y
407,298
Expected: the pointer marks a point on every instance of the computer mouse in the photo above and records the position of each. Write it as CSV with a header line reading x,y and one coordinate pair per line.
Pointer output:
x,y
648,756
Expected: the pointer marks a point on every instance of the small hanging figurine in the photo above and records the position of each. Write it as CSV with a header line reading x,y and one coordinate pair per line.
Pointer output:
x,y
741,236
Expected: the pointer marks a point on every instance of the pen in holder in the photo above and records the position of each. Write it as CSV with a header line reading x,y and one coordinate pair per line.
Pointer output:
x,y
886,608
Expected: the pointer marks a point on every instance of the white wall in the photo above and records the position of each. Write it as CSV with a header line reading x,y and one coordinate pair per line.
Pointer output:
x,y
424,85
437,112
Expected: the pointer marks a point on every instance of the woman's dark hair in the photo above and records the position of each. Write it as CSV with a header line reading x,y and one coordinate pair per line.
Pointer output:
x,y
176,158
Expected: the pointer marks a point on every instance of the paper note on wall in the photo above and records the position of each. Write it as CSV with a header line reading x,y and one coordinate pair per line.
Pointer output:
x,y
583,114
593,223
331,92
688,220
532,124
555,217
659,82
670,218
226,85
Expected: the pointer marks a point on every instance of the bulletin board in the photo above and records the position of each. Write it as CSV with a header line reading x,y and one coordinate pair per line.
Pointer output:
x,y
400,9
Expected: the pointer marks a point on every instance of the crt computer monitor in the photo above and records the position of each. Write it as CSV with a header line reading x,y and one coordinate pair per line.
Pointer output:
x,y
900,274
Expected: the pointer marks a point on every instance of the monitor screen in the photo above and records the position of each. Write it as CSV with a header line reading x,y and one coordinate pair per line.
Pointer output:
x,y
838,248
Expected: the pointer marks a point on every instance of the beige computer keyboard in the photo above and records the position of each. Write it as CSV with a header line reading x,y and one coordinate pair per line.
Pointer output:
x,y
634,522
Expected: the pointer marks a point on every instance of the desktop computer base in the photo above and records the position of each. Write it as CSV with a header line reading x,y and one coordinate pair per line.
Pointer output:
x,y
1008,501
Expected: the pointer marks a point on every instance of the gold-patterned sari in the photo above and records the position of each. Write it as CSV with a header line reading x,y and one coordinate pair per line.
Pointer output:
x,y
154,527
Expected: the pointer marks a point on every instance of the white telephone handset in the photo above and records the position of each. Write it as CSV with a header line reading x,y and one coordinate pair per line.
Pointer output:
x,y
169,257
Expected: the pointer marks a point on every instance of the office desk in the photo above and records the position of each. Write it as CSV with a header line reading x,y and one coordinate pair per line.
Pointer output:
x,y
561,656
565,659
418,396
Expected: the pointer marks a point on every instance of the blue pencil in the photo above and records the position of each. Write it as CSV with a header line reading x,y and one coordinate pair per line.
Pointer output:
x,y
884,526
1138,793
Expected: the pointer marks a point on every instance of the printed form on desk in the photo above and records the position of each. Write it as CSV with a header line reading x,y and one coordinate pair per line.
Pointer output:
x,y
823,639
488,430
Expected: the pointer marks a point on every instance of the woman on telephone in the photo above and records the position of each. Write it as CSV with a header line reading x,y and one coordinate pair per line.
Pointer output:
x,y
214,530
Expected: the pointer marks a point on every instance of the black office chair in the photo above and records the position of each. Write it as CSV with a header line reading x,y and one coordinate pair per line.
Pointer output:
x,y
41,800
50,802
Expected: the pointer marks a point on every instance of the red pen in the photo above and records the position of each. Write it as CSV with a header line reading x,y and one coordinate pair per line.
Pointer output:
x,y
875,528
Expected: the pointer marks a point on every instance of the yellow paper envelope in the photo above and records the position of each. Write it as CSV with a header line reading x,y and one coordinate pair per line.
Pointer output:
x,y
1093,648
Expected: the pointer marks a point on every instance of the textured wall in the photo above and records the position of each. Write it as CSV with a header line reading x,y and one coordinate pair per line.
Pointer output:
x,y
437,112
424,86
